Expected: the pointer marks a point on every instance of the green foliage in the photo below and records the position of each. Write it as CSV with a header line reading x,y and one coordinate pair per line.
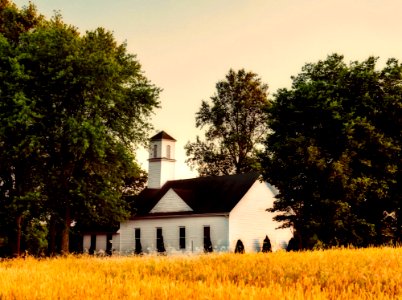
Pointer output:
x,y
36,237
73,108
235,124
20,189
14,22
334,151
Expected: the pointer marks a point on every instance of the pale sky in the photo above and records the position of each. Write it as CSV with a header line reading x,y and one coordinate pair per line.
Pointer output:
x,y
186,47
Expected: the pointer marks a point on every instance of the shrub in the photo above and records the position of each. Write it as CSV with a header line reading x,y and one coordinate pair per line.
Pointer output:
x,y
35,238
292,245
239,247
266,246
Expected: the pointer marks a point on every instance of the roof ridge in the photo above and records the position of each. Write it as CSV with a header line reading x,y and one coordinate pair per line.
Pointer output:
x,y
257,174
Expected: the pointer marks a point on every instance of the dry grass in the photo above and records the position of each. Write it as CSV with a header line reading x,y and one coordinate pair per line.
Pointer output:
x,y
333,274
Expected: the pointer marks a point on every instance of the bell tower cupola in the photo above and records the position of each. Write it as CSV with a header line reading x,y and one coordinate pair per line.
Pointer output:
x,y
161,160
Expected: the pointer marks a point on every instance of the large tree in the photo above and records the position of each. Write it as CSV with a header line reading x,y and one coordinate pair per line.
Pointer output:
x,y
20,183
85,104
334,152
235,126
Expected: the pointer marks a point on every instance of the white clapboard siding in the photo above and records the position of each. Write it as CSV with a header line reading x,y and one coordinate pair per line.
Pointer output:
x,y
160,172
116,242
100,242
170,231
250,222
161,168
154,177
170,202
87,242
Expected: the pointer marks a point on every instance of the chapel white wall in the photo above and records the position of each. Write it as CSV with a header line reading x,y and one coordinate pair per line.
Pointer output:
x,y
250,222
87,242
170,227
101,242
154,175
116,242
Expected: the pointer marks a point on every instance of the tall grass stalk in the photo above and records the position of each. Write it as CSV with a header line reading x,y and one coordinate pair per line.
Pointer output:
x,y
331,274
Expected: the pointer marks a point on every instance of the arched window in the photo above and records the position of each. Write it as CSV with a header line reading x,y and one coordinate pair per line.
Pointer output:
x,y
168,151
155,151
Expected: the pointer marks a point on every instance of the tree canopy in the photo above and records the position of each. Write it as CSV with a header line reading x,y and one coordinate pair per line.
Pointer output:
x,y
334,152
73,108
235,126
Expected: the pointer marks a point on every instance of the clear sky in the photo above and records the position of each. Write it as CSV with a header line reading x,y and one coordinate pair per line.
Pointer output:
x,y
185,46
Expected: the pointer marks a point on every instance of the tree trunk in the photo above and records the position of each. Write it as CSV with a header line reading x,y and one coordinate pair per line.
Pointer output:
x,y
52,237
65,235
17,244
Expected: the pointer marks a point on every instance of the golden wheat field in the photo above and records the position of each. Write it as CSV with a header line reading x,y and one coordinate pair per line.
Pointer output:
x,y
374,273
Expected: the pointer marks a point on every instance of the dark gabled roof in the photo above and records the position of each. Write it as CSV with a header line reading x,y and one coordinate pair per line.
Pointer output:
x,y
215,194
162,136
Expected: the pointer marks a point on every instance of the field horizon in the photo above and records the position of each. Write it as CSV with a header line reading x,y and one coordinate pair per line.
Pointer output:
x,y
324,274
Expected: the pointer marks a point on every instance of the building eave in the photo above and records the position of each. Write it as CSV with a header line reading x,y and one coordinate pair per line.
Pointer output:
x,y
161,159
178,215
99,232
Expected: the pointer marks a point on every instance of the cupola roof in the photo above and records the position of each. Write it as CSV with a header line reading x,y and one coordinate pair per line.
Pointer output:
x,y
162,136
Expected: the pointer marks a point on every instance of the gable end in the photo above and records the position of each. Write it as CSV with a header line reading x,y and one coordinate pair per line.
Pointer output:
x,y
170,202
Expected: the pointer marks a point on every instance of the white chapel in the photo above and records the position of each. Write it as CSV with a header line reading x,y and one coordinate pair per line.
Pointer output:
x,y
195,215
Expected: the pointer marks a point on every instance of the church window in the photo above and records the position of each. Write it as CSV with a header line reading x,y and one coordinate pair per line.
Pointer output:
x,y
109,243
168,151
158,234
182,237
160,246
92,247
155,151
137,236
207,239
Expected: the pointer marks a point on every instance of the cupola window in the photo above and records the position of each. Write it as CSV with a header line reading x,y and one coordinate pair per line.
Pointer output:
x,y
155,151
168,151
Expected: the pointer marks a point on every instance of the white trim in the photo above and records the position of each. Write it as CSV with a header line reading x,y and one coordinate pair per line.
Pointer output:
x,y
170,216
